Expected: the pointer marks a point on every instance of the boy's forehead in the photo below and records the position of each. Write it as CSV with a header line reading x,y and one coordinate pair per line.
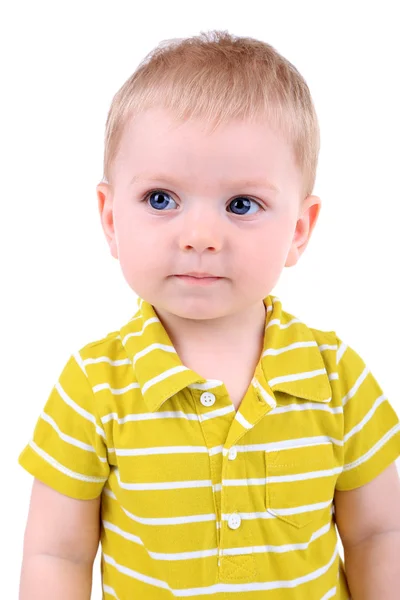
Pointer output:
x,y
157,119
154,141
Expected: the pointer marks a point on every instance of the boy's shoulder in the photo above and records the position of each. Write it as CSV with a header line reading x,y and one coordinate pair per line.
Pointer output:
x,y
105,360
110,360
307,350
109,345
112,345
288,329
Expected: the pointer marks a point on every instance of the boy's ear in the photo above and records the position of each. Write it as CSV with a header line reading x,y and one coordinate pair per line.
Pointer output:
x,y
308,216
105,204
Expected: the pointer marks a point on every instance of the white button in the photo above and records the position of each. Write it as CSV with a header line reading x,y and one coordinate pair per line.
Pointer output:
x,y
232,454
207,399
234,521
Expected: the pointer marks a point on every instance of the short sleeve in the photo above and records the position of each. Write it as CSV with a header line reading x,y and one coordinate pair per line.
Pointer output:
x,y
68,450
371,436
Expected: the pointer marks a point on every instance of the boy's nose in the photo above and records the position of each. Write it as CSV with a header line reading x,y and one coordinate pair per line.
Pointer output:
x,y
201,232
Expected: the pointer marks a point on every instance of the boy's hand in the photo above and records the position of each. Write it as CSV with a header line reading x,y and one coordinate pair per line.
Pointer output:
x,y
368,519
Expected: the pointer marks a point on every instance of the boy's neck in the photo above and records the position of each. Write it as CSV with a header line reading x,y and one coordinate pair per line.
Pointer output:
x,y
227,336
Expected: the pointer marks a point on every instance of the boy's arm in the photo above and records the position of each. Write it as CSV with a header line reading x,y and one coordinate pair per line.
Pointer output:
x,y
60,545
368,520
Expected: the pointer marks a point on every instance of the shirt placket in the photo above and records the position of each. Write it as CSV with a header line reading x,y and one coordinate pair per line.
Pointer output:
x,y
215,411
221,434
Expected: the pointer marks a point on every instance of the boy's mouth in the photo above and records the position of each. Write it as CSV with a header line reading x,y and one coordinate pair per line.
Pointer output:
x,y
198,275
198,278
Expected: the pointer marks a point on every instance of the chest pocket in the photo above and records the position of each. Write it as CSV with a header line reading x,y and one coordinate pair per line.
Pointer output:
x,y
300,484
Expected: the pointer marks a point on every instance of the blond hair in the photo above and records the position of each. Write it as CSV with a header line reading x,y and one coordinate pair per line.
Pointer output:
x,y
218,76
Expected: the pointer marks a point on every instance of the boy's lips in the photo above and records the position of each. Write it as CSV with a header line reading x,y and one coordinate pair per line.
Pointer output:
x,y
198,278
197,274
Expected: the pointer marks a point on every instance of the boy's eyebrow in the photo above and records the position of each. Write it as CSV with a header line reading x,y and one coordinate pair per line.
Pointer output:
x,y
262,184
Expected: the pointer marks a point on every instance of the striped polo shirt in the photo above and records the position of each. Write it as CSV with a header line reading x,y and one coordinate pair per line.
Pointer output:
x,y
198,500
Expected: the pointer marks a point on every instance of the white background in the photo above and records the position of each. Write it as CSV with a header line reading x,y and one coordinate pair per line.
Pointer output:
x,y
61,63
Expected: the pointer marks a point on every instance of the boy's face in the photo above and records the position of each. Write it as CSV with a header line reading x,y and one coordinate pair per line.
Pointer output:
x,y
209,209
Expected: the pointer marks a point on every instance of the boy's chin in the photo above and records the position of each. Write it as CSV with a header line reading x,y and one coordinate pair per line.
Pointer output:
x,y
194,309
194,313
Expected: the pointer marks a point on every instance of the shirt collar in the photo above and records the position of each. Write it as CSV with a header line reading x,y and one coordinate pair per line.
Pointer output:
x,y
291,361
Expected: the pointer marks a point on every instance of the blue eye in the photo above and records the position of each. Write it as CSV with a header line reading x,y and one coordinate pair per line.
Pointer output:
x,y
158,199
242,205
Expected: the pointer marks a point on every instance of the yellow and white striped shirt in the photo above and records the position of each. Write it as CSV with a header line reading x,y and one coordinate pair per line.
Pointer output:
x,y
198,499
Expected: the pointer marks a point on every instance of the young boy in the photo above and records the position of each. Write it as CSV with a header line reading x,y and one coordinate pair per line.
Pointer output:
x,y
215,441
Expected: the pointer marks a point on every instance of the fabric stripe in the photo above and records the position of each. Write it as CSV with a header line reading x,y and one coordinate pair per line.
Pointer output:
x,y
183,556
163,376
49,459
67,438
222,587
81,411
296,377
384,439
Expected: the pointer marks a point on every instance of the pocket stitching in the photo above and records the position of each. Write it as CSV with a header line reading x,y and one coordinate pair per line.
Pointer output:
x,y
271,464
